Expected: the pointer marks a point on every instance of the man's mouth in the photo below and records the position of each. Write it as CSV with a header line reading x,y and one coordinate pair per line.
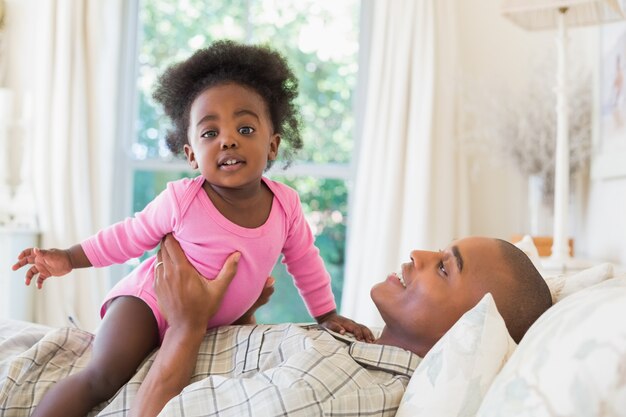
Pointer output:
x,y
400,278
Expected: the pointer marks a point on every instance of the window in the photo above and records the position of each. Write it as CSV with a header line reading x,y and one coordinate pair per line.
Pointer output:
x,y
320,41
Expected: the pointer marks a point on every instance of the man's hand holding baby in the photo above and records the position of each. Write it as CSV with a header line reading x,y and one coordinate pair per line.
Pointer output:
x,y
184,296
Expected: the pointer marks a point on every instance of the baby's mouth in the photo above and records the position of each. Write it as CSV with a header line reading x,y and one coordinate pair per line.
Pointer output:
x,y
231,162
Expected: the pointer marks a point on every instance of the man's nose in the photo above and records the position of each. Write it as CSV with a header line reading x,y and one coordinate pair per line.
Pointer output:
x,y
420,258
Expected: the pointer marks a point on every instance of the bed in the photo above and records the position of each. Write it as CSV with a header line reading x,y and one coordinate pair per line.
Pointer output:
x,y
571,362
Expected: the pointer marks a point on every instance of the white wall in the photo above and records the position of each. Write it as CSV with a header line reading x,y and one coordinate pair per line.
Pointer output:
x,y
494,52
606,220
604,211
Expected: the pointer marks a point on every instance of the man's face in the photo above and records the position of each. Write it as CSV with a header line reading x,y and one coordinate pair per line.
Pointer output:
x,y
439,287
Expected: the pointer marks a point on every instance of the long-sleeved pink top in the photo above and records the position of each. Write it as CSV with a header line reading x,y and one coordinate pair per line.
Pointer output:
x,y
207,238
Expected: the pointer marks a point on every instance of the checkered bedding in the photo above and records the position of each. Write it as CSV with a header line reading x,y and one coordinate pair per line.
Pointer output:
x,y
264,370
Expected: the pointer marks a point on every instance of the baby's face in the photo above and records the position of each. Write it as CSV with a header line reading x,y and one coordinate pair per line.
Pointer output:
x,y
230,136
438,288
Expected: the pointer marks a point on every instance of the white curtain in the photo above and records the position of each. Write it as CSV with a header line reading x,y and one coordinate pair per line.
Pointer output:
x,y
73,137
407,192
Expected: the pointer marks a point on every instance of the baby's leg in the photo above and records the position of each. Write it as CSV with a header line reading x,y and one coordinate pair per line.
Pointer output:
x,y
127,335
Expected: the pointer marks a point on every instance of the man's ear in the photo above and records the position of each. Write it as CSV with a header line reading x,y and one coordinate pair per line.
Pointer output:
x,y
191,156
274,144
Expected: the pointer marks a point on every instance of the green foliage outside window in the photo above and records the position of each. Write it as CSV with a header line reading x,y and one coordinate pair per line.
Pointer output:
x,y
325,203
320,41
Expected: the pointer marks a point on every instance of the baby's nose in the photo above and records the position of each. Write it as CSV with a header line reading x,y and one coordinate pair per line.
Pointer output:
x,y
227,144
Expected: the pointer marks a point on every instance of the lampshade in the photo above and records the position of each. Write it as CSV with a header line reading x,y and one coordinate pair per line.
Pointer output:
x,y
543,14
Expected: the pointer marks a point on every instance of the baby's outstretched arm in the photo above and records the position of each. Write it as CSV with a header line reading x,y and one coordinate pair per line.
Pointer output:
x,y
50,262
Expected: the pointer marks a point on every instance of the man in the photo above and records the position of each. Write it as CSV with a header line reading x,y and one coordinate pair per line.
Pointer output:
x,y
434,291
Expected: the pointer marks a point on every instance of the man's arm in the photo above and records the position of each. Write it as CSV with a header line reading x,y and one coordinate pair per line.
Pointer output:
x,y
188,301
170,372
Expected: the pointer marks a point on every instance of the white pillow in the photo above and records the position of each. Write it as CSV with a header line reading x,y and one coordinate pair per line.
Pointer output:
x,y
527,246
571,362
455,374
566,284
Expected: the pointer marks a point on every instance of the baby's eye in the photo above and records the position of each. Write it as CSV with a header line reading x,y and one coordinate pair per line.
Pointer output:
x,y
246,130
209,134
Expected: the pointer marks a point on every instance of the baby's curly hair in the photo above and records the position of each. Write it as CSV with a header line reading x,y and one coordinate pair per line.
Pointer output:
x,y
254,66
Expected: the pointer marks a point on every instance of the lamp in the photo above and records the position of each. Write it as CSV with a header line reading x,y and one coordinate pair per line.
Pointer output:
x,y
548,14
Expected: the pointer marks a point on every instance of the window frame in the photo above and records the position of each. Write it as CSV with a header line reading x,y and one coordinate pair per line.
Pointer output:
x,y
126,165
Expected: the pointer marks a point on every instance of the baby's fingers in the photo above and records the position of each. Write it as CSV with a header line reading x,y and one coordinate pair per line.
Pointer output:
x,y
32,271
366,333
360,332
41,278
25,257
25,253
335,327
369,336
356,330
17,265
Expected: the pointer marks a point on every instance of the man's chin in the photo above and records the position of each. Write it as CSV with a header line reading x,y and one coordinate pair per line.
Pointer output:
x,y
377,293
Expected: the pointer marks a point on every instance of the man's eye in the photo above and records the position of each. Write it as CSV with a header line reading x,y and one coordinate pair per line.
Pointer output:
x,y
442,268
246,130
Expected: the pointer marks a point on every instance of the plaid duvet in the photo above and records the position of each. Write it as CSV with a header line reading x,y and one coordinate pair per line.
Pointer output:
x,y
264,370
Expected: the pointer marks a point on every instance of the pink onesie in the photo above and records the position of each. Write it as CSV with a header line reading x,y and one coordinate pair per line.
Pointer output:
x,y
207,238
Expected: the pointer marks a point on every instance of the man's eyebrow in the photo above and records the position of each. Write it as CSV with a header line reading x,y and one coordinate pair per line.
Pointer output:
x,y
458,257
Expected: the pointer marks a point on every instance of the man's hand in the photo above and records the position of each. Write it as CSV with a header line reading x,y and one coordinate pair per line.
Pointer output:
x,y
341,324
185,297
266,293
188,301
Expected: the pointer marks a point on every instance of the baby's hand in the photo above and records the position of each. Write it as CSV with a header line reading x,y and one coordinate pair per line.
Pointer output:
x,y
46,263
341,324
